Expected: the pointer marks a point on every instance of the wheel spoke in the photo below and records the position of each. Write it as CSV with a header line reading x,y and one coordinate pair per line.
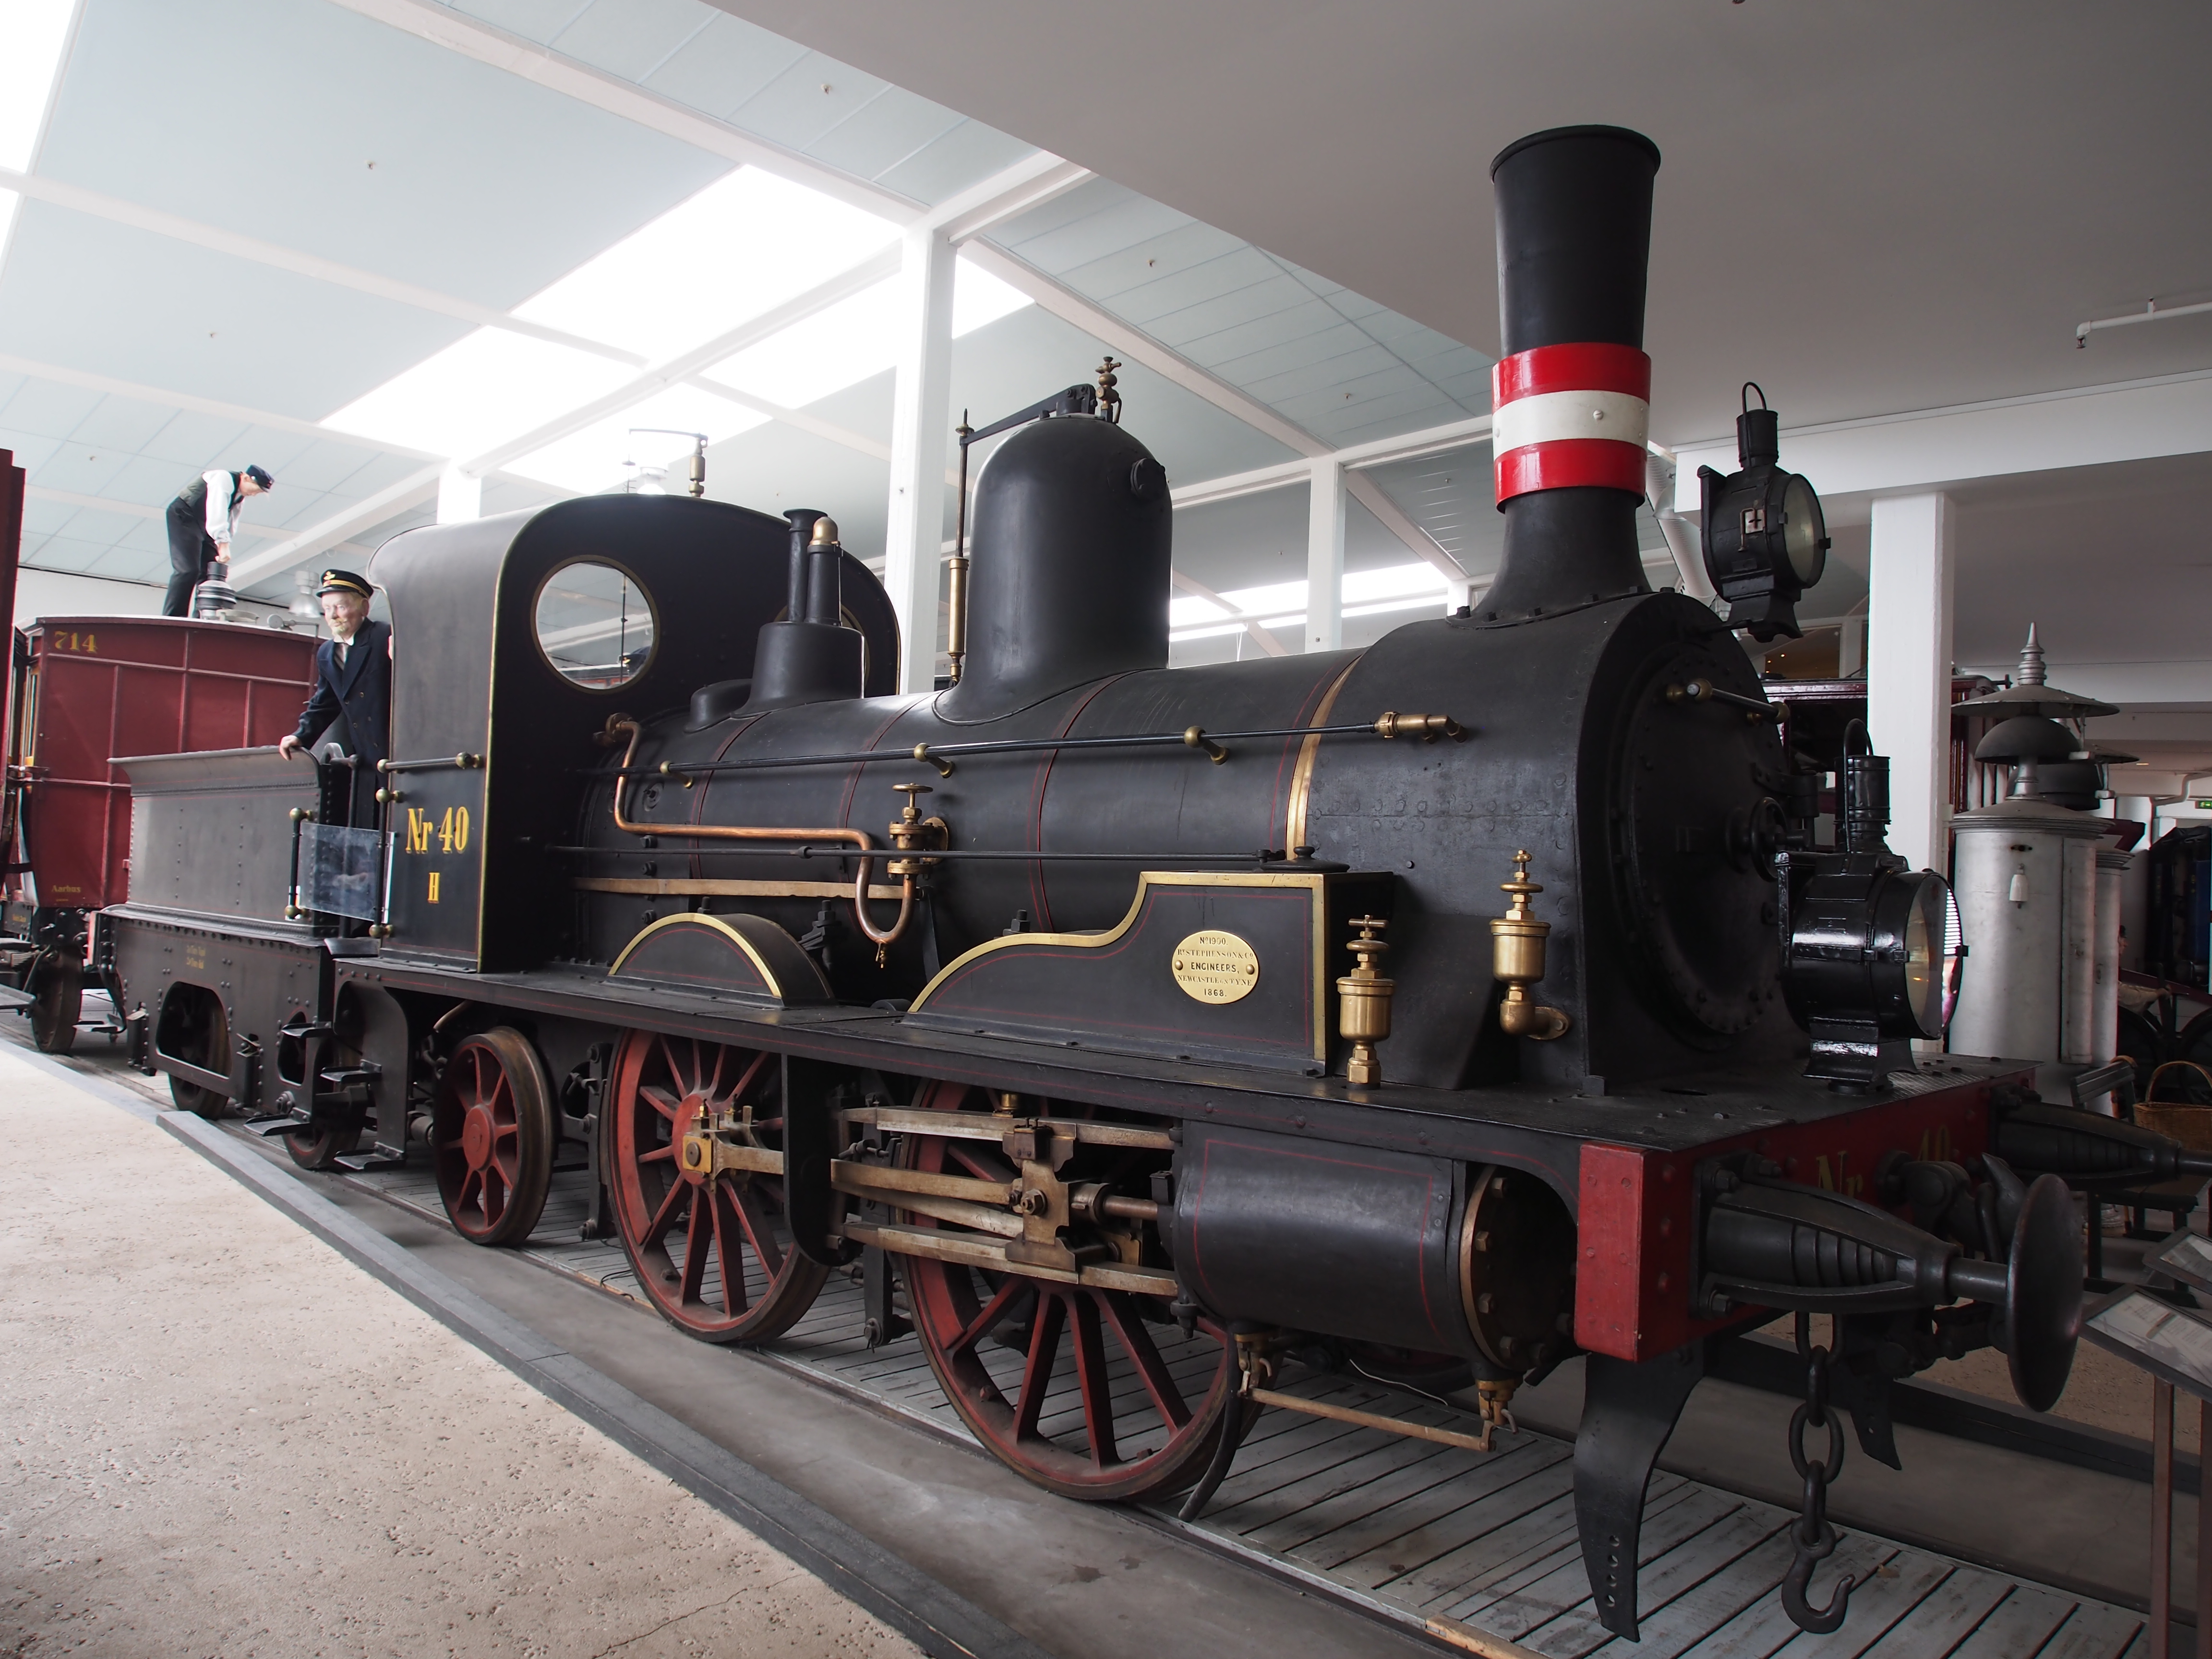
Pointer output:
x,y
1037,1371
752,1070
714,1079
733,1259
665,1217
760,1232
668,1059
696,1234
1092,1380
995,1313
984,1164
1137,1342
658,1154
658,1100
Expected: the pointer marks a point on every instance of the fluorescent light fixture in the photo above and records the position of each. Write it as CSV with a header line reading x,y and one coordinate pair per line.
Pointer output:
x,y
742,245
483,388
592,459
33,34
854,340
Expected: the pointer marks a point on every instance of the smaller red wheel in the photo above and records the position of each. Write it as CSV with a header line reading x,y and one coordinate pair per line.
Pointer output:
x,y
491,1137
58,1000
707,1247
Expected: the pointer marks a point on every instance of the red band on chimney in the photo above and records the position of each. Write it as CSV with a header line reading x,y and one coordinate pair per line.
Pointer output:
x,y
1569,416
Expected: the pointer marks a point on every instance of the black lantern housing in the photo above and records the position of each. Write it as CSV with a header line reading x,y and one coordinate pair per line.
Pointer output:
x,y
1766,538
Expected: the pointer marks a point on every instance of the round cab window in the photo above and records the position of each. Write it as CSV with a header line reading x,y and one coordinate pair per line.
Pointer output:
x,y
595,625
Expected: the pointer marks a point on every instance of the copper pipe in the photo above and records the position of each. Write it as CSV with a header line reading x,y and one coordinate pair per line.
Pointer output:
x,y
857,839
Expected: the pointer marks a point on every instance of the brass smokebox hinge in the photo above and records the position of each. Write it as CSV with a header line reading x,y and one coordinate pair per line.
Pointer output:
x,y
1518,944
1363,1004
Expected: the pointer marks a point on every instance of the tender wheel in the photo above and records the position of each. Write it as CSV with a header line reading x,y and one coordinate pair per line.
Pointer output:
x,y
58,998
321,1149
1071,1385
492,1137
709,1247
203,1037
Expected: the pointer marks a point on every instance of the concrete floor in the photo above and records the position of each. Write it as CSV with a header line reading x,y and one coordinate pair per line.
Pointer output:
x,y
223,1438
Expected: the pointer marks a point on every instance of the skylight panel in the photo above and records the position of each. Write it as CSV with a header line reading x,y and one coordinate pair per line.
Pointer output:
x,y
33,34
593,458
855,339
483,389
742,245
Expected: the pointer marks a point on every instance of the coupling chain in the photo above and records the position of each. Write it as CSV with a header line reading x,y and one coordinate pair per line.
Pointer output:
x,y
1814,1535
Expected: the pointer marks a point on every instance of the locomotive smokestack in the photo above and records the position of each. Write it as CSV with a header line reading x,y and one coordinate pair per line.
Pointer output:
x,y
1573,390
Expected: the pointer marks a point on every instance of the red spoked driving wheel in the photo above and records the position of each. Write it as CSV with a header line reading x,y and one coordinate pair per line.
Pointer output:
x,y
708,1243
1088,1391
491,1137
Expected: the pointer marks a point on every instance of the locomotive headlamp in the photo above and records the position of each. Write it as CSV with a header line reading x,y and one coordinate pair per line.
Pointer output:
x,y
1766,538
1873,950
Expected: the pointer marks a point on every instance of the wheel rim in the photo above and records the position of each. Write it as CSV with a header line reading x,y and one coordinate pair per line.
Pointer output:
x,y
1093,1401
709,1250
492,1137
59,1001
480,1168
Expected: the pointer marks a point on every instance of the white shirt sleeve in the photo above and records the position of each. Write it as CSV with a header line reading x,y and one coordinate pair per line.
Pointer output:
x,y
219,513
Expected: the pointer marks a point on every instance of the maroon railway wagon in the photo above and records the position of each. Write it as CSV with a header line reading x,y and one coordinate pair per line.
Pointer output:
x,y
83,690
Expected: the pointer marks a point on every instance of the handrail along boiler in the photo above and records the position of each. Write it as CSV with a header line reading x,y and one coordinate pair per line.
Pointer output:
x,y
1146,1034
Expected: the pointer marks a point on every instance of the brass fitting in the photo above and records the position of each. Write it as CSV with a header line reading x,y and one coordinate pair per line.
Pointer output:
x,y
1427,727
1518,961
825,533
1363,996
910,832
1195,737
1494,1399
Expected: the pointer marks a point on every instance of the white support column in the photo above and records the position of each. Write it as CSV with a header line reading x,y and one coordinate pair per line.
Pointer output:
x,y
1325,556
921,417
460,497
1908,665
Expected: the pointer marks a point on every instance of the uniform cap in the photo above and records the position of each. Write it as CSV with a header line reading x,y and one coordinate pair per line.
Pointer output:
x,y
260,476
344,581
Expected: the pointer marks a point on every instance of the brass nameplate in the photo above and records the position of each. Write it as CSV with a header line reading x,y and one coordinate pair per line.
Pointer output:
x,y
1216,967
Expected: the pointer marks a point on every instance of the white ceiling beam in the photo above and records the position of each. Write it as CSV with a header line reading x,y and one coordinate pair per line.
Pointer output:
x,y
1198,590
132,509
442,26
1030,183
1931,448
843,436
682,366
410,491
161,397
92,203
1137,347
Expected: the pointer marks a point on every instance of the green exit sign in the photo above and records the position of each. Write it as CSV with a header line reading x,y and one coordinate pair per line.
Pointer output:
x,y
2204,806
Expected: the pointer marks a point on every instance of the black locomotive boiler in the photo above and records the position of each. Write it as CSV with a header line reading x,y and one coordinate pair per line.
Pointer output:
x,y
1444,1002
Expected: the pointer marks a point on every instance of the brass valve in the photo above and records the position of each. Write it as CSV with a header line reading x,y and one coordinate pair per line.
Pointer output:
x,y
1517,960
910,831
1363,1004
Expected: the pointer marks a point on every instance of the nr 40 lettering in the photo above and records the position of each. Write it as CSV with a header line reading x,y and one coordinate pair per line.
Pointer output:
x,y
449,829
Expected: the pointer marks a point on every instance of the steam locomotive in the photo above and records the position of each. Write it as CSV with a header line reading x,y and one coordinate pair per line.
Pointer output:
x,y
1057,997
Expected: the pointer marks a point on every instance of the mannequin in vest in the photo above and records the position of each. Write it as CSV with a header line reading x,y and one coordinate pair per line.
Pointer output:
x,y
202,520
353,682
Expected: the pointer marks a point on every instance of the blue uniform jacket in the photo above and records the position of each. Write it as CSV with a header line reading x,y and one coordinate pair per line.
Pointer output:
x,y
360,691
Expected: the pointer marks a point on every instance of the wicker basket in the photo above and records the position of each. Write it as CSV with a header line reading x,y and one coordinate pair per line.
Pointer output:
x,y
2190,1125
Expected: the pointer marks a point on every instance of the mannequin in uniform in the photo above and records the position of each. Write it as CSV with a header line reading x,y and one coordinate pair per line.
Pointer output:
x,y
202,520
353,680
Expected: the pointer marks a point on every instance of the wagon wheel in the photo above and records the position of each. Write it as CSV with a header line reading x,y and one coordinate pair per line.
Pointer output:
x,y
319,1149
491,1137
1071,1385
205,1042
706,1247
58,998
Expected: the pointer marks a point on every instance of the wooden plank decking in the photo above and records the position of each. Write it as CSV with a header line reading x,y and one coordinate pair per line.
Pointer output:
x,y
1479,1551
